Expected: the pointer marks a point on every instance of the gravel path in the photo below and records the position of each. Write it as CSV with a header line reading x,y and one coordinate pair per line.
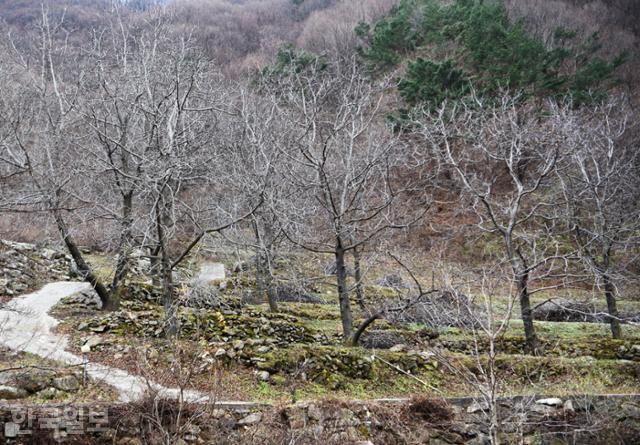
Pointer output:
x,y
25,325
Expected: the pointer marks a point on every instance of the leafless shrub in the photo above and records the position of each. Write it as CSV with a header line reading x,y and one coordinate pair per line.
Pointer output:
x,y
447,308
430,410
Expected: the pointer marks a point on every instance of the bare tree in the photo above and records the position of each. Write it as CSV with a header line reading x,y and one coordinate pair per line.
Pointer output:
x,y
150,157
343,159
43,140
504,155
602,196
486,330
258,163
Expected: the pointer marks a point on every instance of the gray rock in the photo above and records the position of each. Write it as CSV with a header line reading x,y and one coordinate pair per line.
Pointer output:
x,y
49,393
66,383
477,406
251,419
263,376
553,401
568,406
221,352
87,298
33,380
11,393
93,341
6,377
426,355
542,409
24,266
631,411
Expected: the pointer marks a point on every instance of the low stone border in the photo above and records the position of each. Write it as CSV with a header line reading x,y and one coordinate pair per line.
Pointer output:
x,y
348,421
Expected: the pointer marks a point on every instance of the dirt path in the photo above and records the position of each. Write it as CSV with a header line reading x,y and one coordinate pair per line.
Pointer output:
x,y
25,325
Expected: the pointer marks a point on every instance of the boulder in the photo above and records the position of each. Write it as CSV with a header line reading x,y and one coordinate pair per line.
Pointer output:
x,y
49,393
86,298
12,393
93,341
33,380
68,383
251,419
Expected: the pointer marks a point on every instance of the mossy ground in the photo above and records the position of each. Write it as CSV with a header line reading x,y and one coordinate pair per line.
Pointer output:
x,y
302,351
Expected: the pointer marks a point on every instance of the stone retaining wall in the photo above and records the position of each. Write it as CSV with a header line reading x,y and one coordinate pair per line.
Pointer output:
x,y
25,266
607,420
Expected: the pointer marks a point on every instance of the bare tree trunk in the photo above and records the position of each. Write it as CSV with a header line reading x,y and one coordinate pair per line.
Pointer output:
x,y
122,266
154,261
343,291
166,273
109,302
358,277
522,278
271,296
264,281
612,308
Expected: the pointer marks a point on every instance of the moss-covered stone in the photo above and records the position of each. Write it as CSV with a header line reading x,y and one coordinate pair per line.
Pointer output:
x,y
598,348
146,319
333,366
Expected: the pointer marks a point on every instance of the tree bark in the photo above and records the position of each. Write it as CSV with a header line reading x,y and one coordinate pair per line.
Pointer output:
x,y
154,261
166,273
109,302
264,281
522,278
355,339
357,270
264,256
343,291
612,308
122,265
